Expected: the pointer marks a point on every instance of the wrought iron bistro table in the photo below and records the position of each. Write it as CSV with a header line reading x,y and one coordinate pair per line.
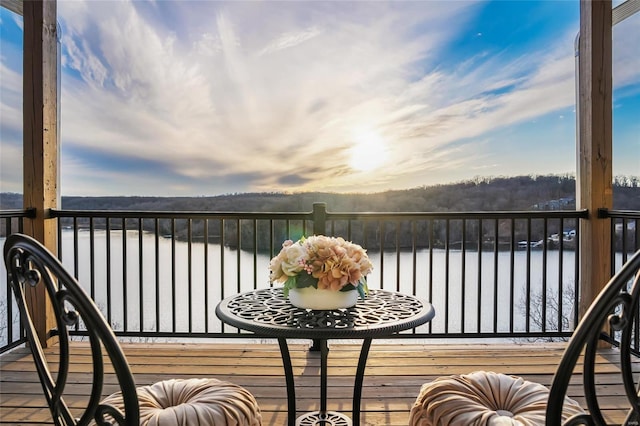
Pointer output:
x,y
267,312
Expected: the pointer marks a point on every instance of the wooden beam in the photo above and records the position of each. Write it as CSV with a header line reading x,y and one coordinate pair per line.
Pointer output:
x,y
40,160
595,175
624,10
16,6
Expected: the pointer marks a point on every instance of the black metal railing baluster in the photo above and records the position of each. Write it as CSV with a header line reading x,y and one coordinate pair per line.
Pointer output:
x,y
108,285
528,280
414,259
255,253
447,282
560,313
221,229
141,293
205,261
156,249
512,274
427,262
397,243
92,258
496,242
479,291
125,292
190,274
238,252
430,279
545,258
173,276
75,247
463,261
380,240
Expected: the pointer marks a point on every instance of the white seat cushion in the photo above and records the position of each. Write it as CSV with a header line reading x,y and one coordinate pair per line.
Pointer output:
x,y
484,398
187,402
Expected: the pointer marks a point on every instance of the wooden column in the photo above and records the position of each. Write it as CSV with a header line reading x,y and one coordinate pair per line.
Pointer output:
x,y
40,162
594,179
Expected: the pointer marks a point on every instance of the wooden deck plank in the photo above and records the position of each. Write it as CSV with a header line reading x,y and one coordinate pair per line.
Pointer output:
x,y
394,375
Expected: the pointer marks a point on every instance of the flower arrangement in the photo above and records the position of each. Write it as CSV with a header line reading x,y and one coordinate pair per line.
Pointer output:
x,y
321,262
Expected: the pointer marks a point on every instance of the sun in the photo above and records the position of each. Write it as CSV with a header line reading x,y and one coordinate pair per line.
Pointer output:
x,y
369,151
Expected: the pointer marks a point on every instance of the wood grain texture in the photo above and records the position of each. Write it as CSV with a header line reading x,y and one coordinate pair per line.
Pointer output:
x,y
595,152
15,6
393,376
40,140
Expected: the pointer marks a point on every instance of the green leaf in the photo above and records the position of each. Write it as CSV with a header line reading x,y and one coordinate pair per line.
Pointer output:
x,y
363,289
288,285
306,280
365,286
361,292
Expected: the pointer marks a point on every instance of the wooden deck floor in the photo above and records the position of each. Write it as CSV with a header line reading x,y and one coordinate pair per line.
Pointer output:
x,y
394,375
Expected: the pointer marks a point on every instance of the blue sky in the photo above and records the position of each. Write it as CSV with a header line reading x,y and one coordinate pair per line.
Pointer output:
x,y
206,98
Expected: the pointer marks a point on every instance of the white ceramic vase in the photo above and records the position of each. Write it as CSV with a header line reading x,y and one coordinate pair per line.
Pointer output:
x,y
322,300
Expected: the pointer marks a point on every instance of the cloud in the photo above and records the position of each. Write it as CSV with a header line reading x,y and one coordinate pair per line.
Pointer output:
x,y
217,97
278,99
626,54
10,167
290,40
11,105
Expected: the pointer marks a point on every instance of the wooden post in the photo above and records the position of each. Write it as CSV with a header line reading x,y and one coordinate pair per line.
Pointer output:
x,y
319,218
595,175
40,159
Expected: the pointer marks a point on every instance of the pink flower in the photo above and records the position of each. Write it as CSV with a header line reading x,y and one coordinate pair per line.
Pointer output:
x,y
332,261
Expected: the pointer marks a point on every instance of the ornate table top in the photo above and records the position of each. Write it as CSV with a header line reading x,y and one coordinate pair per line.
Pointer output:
x,y
268,312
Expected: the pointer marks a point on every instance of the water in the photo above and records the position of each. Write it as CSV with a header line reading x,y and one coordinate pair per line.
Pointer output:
x,y
175,294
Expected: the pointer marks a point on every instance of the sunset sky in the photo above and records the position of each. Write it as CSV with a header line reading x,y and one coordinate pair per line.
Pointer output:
x,y
205,98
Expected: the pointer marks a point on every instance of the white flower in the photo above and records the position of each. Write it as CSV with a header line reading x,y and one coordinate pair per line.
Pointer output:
x,y
293,260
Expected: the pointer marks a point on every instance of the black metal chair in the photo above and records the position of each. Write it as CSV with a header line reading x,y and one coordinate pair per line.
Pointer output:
x,y
482,398
208,401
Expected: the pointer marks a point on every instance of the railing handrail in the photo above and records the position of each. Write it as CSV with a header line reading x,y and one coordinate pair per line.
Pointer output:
x,y
618,214
573,214
179,214
14,213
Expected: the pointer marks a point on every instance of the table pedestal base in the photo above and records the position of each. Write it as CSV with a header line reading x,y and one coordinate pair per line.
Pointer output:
x,y
268,313
326,418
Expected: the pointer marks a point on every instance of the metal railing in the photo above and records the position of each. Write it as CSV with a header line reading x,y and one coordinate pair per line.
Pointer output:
x,y
490,275
11,333
625,240
625,235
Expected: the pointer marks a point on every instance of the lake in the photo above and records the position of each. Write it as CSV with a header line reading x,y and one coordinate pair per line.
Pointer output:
x,y
175,286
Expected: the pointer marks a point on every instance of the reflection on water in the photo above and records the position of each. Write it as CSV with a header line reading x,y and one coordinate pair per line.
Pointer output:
x,y
174,285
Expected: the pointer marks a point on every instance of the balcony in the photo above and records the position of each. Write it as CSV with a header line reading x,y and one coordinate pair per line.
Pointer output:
x,y
499,306
506,290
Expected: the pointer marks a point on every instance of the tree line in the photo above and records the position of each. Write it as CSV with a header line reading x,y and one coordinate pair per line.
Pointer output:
x,y
480,194
543,193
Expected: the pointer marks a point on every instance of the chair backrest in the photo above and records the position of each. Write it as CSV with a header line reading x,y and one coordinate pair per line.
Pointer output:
x,y
30,264
615,310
